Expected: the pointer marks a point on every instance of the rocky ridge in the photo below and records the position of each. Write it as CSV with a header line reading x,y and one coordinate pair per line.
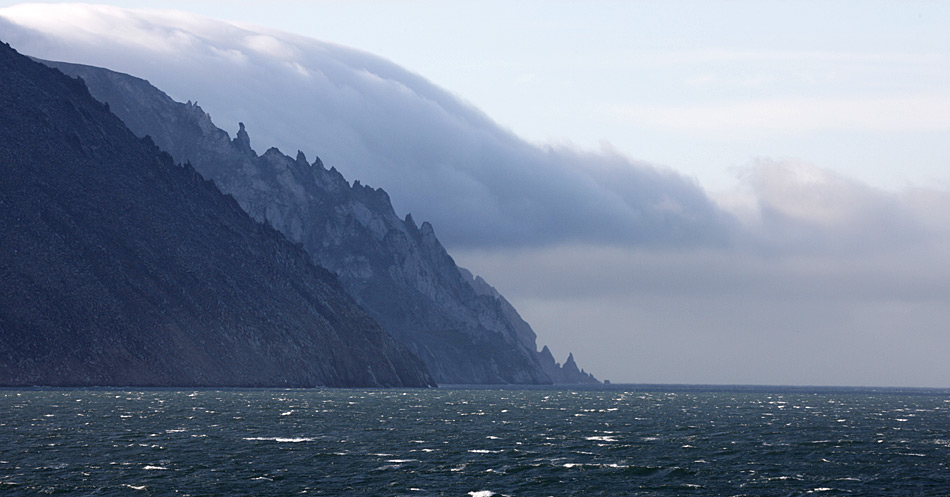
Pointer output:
x,y
120,268
463,329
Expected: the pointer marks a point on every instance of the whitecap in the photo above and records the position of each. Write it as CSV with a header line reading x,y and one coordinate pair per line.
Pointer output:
x,y
150,468
280,439
602,438
481,493
484,451
135,487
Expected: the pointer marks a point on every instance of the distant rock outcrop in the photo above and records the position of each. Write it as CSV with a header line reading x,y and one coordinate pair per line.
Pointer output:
x,y
566,374
463,329
117,267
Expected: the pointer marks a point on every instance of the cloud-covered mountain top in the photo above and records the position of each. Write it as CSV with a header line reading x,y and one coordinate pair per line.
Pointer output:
x,y
437,156
446,162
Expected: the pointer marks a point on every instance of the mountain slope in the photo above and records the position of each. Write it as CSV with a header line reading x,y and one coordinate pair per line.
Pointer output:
x,y
463,329
119,268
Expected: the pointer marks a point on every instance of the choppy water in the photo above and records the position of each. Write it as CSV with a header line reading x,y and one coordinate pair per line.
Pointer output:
x,y
473,442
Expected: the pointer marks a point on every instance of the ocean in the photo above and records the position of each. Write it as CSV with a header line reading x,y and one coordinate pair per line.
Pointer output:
x,y
620,440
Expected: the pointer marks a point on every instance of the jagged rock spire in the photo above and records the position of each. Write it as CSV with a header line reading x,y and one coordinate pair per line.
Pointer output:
x,y
242,141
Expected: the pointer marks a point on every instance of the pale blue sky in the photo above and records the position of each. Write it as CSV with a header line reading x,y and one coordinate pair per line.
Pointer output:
x,y
704,87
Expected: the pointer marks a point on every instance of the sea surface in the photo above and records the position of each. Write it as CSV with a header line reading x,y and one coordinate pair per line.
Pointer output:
x,y
623,440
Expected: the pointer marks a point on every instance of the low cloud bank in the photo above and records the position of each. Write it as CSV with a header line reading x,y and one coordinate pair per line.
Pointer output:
x,y
831,282
736,316
446,162
438,157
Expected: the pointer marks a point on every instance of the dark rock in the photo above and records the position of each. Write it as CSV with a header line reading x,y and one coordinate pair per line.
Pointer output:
x,y
463,329
118,267
566,374
242,141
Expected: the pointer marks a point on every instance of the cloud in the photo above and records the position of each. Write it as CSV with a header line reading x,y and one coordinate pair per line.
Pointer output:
x,y
831,282
736,316
270,47
438,157
791,207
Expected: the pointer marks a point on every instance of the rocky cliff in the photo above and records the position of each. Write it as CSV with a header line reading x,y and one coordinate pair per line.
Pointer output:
x,y
118,267
463,329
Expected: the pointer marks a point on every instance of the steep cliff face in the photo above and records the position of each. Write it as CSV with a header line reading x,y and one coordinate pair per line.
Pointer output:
x,y
397,270
119,268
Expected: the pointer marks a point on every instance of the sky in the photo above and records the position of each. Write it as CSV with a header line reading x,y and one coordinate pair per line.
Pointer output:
x,y
677,192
